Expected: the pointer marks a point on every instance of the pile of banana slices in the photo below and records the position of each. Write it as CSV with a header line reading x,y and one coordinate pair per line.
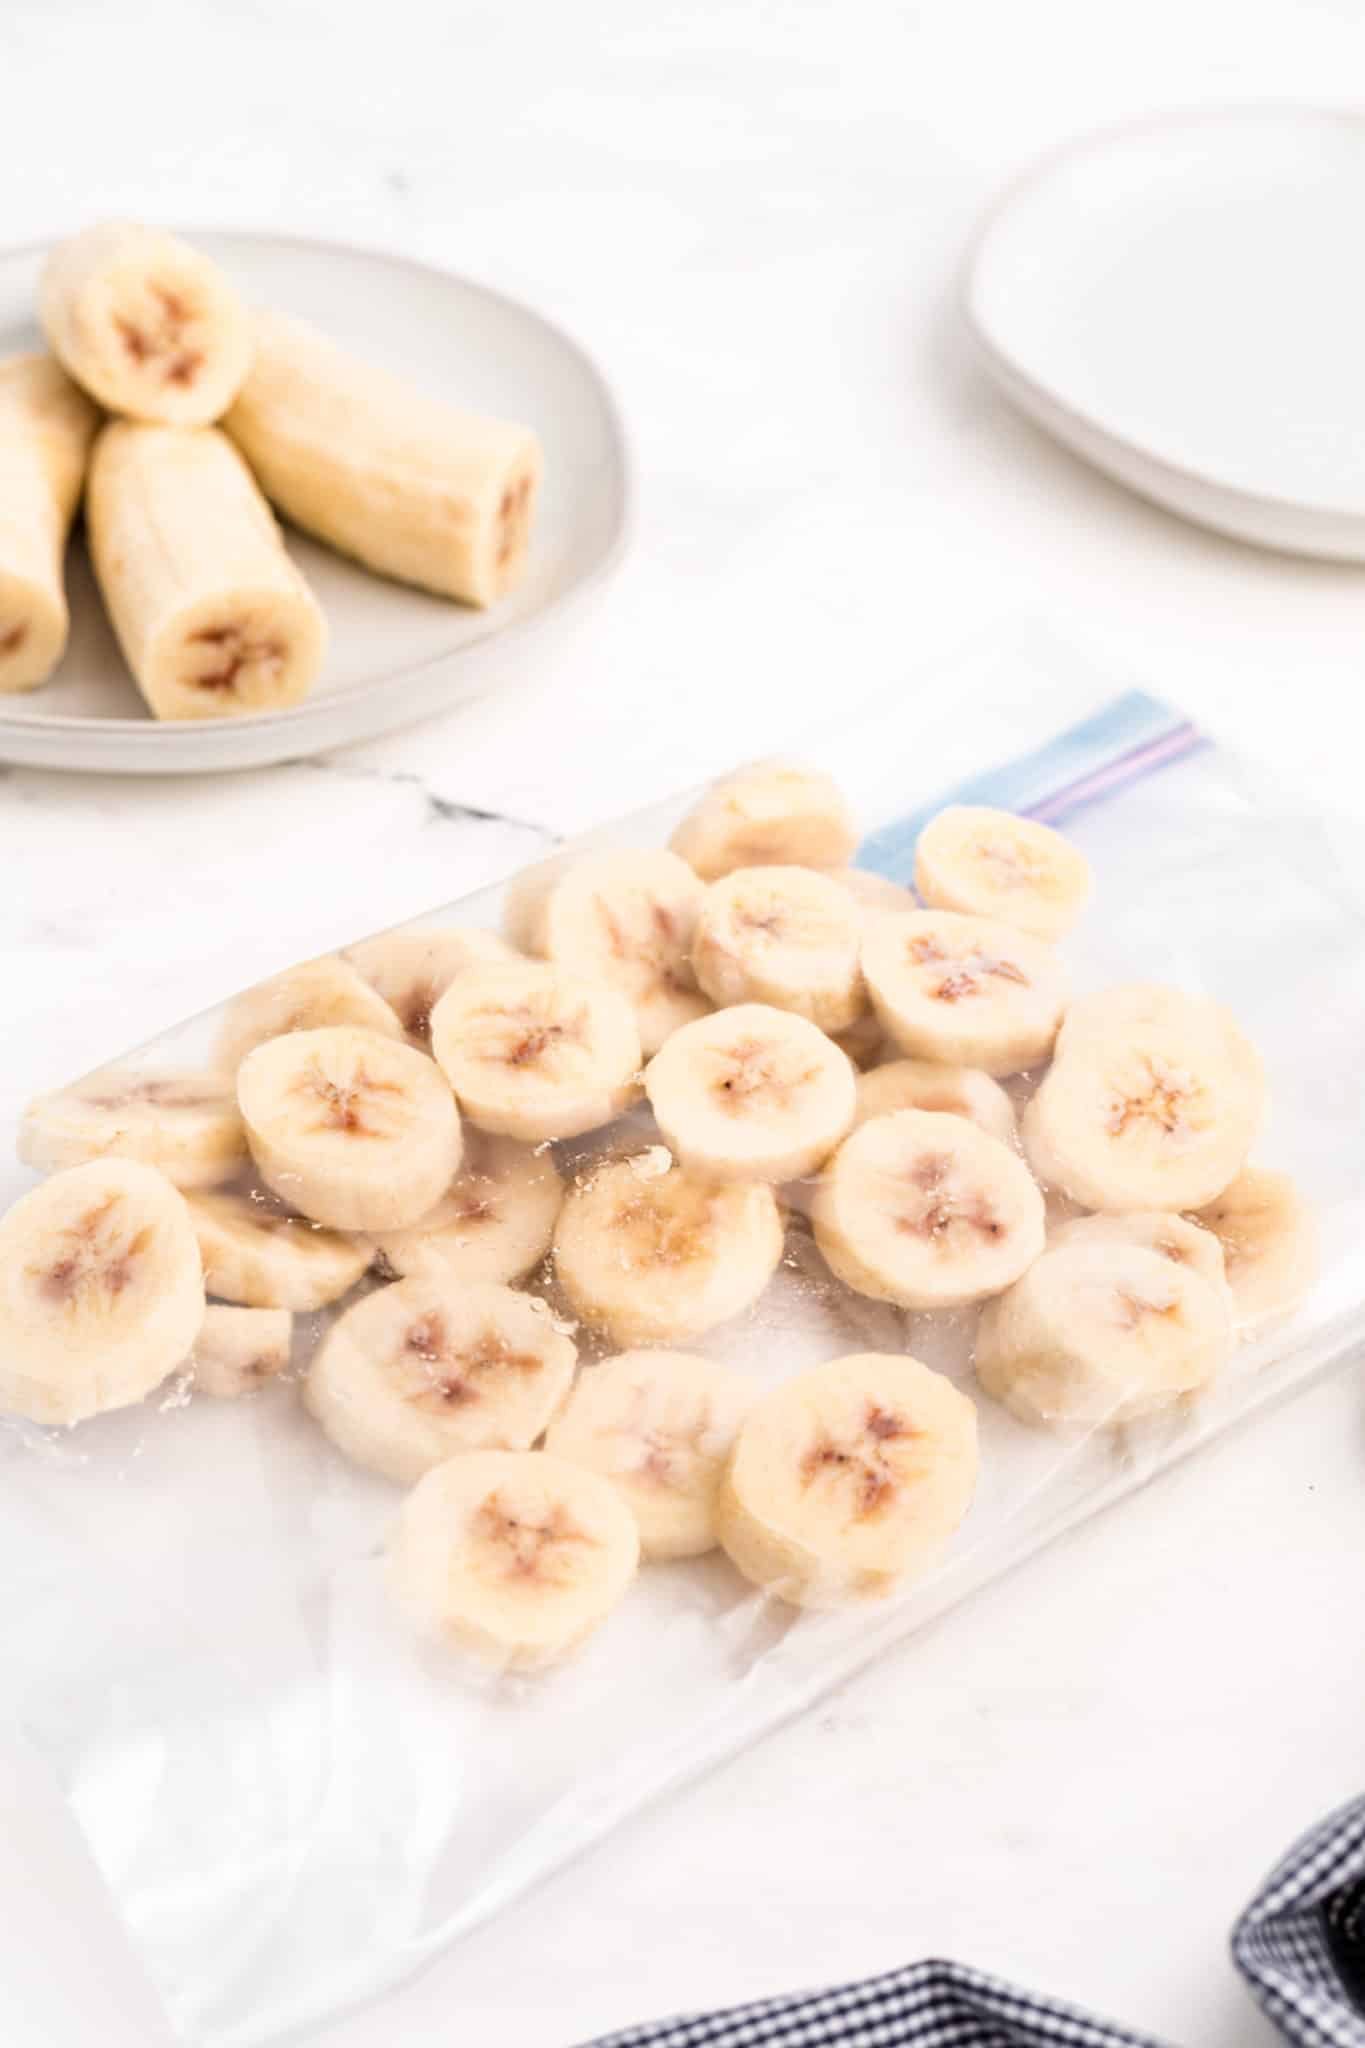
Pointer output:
x,y
211,407
485,1157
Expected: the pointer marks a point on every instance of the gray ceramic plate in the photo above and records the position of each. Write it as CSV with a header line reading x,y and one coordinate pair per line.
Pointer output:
x,y
395,655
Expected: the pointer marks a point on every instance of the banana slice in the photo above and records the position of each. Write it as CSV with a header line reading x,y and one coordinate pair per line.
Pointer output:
x,y
404,483
184,1123
1150,1104
46,427
848,1479
660,1425
495,1222
874,892
1102,1333
434,1365
101,1291
149,326
953,1091
963,990
306,998
524,898
261,1257
652,1253
411,971
926,1211
239,1349
1270,1245
213,618
513,1556
774,813
785,936
993,864
535,1053
751,1093
625,921
357,1131
1176,1238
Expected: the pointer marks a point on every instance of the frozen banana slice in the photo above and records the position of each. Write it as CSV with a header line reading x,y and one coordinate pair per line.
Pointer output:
x,y
964,991
926,1211
849,1479
261,1257
495,1221
1270,1245
411,971
357,1131
992,864
434,1365
1177,1238
535,1053
1155,1106
239,1349
785,936
660,1425
406,484
751,1093
213,618
147,325
774,813
652,1253
513,1556
183,1122
101,1291
625,921
307,998
1102,1333
46,427
953,1091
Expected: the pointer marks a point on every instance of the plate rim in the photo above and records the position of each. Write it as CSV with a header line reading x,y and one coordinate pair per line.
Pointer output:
x,y
167,732
1021,385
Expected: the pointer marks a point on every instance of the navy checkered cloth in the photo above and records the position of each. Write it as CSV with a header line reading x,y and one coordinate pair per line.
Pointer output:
x,y
1300,1945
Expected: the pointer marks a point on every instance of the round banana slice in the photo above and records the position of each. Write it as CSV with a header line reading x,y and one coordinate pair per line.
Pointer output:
x,y
513,1556
785,936
625,921
410,971
1270,1245
357,1131
184,1123
660,1425
535,1053
261,1257
773,813
652,1253
101,1291
848,1479
1158,1230
146,324
993,864
434,1365
751,1093
494,1222
926,1211
239,1349
524,897
953,1091
306,998
1102,1333
964,991
1157,1110
873,891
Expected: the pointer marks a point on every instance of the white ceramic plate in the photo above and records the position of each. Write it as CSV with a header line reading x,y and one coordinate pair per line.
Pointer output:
x,y
1181,303
395,654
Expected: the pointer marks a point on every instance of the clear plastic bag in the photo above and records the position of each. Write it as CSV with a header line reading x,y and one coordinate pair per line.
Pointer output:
x,y
293,1803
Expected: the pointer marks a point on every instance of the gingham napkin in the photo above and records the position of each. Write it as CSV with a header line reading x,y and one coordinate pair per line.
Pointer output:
x,y
1300,1945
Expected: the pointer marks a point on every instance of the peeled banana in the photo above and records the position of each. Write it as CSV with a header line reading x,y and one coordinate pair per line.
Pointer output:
x,y
46,427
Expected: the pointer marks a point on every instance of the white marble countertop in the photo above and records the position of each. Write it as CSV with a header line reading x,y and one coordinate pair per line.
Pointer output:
x,y
753,215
